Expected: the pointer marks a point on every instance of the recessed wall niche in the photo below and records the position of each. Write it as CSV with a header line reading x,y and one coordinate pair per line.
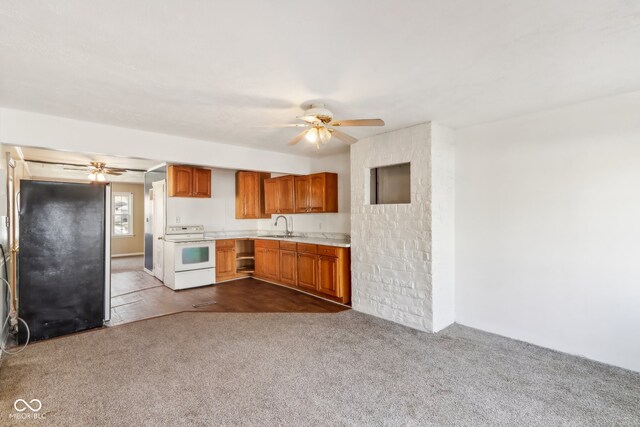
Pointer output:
x,y
390,184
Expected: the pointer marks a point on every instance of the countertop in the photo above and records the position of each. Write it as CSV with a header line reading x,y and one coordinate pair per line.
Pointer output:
x,y
314,240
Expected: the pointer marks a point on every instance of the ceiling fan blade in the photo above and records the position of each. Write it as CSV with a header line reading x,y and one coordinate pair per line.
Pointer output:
x,y
298,138
343,136
79,168
309,119
113,173
115,170
288,125
360,122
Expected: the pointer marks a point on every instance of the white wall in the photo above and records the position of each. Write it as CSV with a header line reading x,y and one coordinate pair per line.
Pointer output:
x,y
443,225
39,130
330,222
548,229
217,213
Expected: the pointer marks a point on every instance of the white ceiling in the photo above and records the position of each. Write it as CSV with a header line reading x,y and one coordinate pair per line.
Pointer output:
x,y
61,169
219,70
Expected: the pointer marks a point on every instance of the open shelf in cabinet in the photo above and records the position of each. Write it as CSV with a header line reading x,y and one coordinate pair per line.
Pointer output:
x,y
245,256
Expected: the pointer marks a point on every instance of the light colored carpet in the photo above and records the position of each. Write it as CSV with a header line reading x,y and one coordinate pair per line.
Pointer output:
x,y
310,369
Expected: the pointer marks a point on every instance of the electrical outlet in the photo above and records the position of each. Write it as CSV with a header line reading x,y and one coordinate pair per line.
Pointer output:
x,y
177,220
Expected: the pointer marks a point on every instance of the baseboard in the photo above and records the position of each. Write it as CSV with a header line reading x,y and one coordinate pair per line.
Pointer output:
x,y
125,255
303,291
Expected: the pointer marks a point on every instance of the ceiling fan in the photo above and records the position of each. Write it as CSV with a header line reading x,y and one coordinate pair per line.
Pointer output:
x,y
321,126
98,171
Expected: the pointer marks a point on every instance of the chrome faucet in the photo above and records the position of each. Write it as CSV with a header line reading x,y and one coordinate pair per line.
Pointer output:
x,y
286,225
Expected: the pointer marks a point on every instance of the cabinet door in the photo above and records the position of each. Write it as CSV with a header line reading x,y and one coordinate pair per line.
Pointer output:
x,y
328,275
272,264
225,263
180,181
201,182
241,194
286,195
260,262
288,267
251,200
316,193
307,268
271,195
301,193
247,195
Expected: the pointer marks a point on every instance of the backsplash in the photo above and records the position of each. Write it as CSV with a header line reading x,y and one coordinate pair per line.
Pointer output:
x,y
253,233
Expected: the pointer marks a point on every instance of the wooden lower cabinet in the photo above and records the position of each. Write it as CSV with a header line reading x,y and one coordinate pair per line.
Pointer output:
x,y
272,264
267,255
260,262
328,275
225,260
288,268
320,270
307,271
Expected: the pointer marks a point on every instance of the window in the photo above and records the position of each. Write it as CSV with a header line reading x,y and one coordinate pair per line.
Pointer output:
x,y
122,214
391,184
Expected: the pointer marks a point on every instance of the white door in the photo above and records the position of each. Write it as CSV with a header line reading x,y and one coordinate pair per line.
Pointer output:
x,y
158,228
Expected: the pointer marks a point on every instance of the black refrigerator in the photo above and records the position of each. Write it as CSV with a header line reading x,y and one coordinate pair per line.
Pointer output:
x,y
64,257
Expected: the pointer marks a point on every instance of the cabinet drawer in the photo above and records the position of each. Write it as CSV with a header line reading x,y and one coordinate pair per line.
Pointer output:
x,y
227,243
288,246
307,248
328,250
274,244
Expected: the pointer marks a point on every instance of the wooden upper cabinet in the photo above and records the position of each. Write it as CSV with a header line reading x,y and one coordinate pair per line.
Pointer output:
x,y
250,197
189,181
180,181
201,182
271,196
286,194
279,194
317,189
302,193
317,193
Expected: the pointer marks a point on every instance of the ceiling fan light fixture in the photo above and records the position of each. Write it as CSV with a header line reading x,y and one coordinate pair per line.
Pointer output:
x,y
324,135
312,135
322,127
92,176
100,177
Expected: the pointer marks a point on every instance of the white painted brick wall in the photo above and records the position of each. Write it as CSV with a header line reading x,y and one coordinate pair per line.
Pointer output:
x,y
391,245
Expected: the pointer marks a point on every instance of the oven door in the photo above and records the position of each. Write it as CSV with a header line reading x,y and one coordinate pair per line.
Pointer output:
x,y
194,256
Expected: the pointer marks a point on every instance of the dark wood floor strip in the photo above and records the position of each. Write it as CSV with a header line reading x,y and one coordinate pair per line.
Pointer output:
x,y
139,295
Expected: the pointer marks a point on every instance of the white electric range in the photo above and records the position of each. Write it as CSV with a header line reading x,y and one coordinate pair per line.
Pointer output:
x,y
189,257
